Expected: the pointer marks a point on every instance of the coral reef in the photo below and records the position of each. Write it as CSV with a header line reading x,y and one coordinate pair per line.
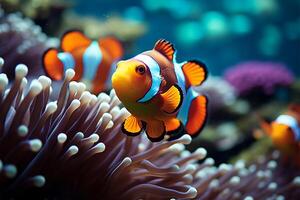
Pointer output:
x,y
126,30
73,148
255,76
22,41
219,92
46,13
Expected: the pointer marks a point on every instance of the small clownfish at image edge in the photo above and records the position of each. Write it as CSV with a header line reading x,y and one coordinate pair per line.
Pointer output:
x,y
93,61
159,94
284,132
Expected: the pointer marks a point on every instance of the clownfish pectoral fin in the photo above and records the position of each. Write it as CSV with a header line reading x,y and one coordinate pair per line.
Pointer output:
x,y
132,126
197,115
155,130
195,72
53,67
166,48
172,99
74,39
113,46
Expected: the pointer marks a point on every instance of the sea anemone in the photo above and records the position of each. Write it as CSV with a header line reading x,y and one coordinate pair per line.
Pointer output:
x,y
22,41
73,148
255,76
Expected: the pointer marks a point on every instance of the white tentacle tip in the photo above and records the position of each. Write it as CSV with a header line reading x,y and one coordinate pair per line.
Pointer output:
x,y
21,71
126,161
100,147
35,87
35,145
185,139
51,107
1,61
70,73
22,130
248,198
73,150
10,171
45,81
296,181
192,192
81,87
61,138
75,104
3,81
39,181
200,153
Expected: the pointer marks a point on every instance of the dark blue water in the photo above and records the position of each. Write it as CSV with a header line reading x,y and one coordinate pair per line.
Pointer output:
x,y
274,34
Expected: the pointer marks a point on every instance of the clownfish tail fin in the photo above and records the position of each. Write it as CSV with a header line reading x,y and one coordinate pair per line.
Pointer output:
x,y
197,116
195,72
193,112
53,67
113,46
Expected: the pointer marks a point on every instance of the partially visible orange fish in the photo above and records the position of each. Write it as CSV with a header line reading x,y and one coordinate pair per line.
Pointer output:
x,y
159,93
93,61
285,132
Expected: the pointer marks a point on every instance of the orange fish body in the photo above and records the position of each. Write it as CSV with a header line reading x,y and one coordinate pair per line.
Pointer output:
x,y
285,132
93,61
158,92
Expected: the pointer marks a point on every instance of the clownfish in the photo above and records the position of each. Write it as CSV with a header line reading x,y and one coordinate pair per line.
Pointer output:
x,y
284,132
93,61
159,94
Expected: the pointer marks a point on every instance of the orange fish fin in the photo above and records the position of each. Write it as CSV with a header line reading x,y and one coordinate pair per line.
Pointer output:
x,y
53,67
197,116
172,124
132,126
195,72
172,99
113,46
166,48
74,39
155,130
266,127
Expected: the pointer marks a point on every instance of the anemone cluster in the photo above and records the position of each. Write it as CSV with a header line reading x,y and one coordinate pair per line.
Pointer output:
x,y
73,148
256,76
22,41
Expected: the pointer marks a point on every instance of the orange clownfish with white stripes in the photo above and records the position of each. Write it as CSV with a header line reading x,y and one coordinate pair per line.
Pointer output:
x,y
285,132
159,94
92,61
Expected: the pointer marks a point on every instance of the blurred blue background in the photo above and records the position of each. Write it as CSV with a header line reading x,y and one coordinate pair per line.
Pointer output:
x,y
220,32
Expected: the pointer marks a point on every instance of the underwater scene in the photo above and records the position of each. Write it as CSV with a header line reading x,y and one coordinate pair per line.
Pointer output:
x,y
150,99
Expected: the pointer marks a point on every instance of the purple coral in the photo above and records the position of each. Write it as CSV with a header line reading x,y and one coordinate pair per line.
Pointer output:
x,y
264,77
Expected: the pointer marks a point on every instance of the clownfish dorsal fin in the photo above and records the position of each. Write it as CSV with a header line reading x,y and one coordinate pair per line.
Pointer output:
x,y
195,72
166,48
74,39
113,46
132,126
266,127
172,99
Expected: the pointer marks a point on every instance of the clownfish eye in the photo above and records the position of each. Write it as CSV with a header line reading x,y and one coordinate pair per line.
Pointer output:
x,y
140,69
